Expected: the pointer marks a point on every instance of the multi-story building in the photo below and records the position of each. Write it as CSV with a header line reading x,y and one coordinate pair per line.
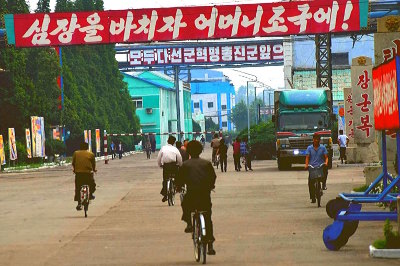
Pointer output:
x,y
213,96
300,67
154,96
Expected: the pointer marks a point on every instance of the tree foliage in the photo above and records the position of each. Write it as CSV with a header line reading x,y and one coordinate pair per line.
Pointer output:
x,y
95,95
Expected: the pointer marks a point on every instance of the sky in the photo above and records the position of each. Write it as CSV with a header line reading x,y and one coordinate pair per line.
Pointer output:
x,y
271,75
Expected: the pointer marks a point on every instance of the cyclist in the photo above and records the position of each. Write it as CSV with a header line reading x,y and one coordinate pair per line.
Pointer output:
x,y
83,164
203,141
316,155
169,158
199,176
214,146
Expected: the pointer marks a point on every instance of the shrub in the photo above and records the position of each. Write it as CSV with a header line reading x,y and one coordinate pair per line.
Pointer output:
x,y
392,239
55,147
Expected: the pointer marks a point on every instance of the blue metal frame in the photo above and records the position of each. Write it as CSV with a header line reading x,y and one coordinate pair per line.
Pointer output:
x,y
385,196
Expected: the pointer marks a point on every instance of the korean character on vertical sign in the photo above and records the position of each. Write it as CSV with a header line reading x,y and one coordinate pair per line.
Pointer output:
x,y
135,57
329,16
364,104
301,20
363,80
391,52
201,54
148,26
252,53
349,98
239,52
173,24
162,56
350,123
276,21
365,125
351,134
148,57
189,55
265,52
226,53
350,111
202,22
117,27
225,22
246,22
91,31
214,54
176,55
67,28
39,33
277,50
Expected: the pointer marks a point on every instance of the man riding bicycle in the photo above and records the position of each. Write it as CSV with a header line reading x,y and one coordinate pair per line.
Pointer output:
x,y
169,158
316,155
199,177
84,165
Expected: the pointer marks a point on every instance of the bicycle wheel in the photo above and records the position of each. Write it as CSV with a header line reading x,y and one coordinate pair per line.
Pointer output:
x,y
203,253
86,208
171,193
318,191
196,239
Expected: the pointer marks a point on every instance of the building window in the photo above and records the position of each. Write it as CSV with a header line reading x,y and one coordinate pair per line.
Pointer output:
x,y
340,59
138,102
210,104
223,107
196,105
224,124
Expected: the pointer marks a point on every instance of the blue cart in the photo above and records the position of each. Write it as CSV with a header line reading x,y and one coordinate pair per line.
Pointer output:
x,y
346,208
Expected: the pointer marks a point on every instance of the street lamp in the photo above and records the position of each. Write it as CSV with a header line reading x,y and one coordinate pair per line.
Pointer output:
x,y
269,90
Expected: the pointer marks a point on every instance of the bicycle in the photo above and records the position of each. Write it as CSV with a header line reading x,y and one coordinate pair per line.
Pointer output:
x,y
316,175
244,161
199,236
85,198
171,190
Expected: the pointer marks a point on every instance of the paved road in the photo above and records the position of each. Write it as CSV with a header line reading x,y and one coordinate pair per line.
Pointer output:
x,y
260,218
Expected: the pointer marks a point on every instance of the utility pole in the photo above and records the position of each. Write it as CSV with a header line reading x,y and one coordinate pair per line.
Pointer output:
x,y
178,108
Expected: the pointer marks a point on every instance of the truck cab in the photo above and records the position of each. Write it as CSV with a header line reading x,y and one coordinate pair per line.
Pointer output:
x,y
299,114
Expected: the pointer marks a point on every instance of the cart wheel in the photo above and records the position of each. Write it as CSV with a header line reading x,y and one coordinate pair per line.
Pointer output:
x,y
334,236
350,227
334,206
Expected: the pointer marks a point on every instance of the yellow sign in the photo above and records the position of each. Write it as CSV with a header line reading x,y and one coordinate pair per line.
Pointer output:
x,y
2,155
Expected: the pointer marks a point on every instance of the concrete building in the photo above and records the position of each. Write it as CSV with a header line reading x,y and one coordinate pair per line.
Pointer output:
x,y
154,96
213,96
299,66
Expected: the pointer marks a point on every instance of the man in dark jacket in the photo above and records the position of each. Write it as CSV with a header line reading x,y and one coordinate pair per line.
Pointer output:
x,y
199,176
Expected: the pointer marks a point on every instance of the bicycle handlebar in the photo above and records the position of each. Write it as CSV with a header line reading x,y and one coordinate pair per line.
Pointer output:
x,y
310,166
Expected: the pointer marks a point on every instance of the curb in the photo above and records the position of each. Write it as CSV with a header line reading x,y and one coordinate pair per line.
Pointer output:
x,y
384,253
358,165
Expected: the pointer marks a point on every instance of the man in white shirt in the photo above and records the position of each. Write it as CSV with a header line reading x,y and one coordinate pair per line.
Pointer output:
x,y
169,158
343,141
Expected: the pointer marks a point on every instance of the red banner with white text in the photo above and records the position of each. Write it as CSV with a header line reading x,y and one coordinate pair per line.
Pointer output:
x,y
186,23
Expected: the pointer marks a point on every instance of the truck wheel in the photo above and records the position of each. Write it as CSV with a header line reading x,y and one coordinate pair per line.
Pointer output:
x,y
281,165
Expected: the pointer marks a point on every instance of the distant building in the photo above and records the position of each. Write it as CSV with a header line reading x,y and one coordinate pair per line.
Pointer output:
x,y
213,96
154,96
300,67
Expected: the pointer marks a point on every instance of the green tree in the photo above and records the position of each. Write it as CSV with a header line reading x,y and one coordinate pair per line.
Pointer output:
x,y
196,126
239,116
43,6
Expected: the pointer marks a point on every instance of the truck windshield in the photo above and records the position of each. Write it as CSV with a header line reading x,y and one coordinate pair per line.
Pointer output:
x,y
303,121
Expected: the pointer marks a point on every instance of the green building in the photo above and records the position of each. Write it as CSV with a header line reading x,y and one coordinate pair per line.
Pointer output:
x,y
154,96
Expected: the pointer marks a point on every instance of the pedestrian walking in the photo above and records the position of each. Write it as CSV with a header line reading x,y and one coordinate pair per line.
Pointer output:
x,y
223,157
120,150
343,141
112,149
147,148
236,154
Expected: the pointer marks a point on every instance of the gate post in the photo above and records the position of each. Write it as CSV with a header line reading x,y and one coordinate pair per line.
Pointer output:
x,y
105,147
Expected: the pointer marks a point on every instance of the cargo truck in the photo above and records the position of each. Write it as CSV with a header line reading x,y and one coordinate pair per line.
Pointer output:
x,y
299,114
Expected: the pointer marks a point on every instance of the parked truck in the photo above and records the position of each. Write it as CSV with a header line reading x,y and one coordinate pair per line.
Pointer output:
x,y
298,115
